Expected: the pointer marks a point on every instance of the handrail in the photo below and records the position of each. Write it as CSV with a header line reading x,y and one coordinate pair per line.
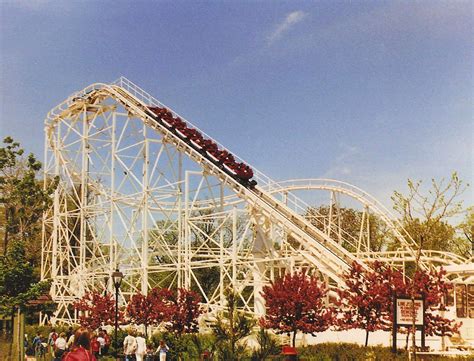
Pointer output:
x,y
139,100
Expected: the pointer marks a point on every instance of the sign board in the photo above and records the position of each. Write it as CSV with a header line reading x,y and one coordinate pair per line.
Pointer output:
x,y
405,312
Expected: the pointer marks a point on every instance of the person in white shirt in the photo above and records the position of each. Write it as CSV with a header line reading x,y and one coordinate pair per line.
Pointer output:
x,y
162,350
129,346
141,347
101,341
61,345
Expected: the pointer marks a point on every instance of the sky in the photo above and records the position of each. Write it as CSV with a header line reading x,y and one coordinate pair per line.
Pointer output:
x,y
367,92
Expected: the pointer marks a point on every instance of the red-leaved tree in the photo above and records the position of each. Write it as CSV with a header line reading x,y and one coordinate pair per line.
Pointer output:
x,y
148,310
433,286
365,302
96,310
182,310
295,303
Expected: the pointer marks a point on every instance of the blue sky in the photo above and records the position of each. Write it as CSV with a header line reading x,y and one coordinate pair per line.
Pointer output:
x,y
368,92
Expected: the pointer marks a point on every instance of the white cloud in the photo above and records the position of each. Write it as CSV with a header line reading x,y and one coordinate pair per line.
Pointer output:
x,y
291,20
343,164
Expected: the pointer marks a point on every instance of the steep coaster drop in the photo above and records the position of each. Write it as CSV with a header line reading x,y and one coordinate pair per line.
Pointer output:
x,y
144,189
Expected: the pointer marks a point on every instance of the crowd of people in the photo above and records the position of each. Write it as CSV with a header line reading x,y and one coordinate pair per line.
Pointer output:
x,y
83,345
135,348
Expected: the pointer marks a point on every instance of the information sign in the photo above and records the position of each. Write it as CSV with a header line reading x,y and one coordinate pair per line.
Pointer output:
x,y
405,312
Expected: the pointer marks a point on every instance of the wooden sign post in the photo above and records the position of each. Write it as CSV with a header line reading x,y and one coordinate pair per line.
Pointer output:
x,y
403,313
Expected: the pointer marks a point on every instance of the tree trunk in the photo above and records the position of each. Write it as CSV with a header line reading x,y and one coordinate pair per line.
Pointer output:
x,y
13,346
146,333
413,327
294,337
5,235
366,337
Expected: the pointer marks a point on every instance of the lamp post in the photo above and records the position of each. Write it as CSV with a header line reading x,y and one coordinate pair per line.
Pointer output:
x,y
117,278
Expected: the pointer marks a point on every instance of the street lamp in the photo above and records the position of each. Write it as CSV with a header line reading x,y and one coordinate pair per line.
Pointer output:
x,y
117,278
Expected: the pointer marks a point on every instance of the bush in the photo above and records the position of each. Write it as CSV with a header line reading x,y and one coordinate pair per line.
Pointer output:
x,y
269,346
121,334
190,346
346,352
354,352
33,330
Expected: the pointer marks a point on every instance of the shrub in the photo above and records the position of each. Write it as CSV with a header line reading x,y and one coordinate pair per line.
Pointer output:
x,y
269,346
354,352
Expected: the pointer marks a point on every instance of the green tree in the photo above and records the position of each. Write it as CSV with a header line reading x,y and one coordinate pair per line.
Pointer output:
x,y
426,215
22,198
350,221
230,328
167,232
465,243
18,284
268,345
22,201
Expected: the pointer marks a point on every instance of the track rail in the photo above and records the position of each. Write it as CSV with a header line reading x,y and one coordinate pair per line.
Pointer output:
x,y
354,192
317,247
323,251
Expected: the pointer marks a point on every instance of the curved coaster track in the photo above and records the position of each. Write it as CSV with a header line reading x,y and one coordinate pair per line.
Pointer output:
x,y
143,189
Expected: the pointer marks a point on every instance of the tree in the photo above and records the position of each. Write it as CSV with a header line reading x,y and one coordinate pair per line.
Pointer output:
x,y
148,310
295,303
433,286
17,282
230,327
465,242
96,310
202,232
366,299
426,216
18,286
350,221
22,202
22,198
268,344
183,311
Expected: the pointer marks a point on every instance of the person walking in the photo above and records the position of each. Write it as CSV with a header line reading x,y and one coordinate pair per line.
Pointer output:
x,y
60,345
81,348
95,346
162,350
70,341
101,341
129,346
51,341
141,347
69,333
39,347
107,342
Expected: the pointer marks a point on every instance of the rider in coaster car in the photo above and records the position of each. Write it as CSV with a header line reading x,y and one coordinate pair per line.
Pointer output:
x,y
197,138
244,171
210,146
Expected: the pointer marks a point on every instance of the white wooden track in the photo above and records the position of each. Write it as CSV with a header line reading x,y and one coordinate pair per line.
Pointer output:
x,y
137,195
